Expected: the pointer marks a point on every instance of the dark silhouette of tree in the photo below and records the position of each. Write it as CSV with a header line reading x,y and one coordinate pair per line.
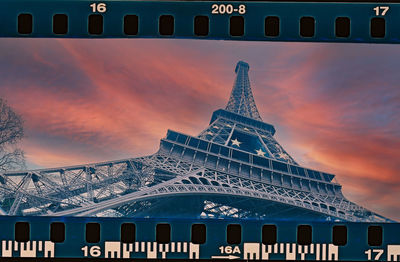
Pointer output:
x,y
11,132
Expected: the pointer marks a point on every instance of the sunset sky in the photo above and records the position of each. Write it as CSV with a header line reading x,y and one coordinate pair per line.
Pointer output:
x,y
336,107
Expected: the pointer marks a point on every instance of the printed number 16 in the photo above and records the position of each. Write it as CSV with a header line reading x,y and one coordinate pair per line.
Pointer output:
x,y
100,7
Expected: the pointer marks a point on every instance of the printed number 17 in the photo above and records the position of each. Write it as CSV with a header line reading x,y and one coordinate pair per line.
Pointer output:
x,y
381,10
378,253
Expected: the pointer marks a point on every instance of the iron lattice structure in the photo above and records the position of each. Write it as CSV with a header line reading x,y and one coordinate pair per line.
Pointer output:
x,y
233,168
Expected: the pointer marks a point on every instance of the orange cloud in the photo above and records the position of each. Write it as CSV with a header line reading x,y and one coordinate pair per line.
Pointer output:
x,y
348,128
335,107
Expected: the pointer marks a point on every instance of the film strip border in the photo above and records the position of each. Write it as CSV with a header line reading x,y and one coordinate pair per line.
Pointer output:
x,y
197,239
260,21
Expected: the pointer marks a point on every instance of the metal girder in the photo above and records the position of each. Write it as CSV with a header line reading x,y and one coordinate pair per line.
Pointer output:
x,y
19,194
124,186
237,186
187,185
241,100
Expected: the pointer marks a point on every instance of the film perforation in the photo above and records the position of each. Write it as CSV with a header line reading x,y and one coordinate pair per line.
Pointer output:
x,y
95,24
22,232
108,151
57,232
269,234
25,24
234,234
131,25
163,233
199,233
272,26
291,244
128,233
236,26
166,25
307,26
92,232
378,27
304,235
60,24
375,235
340,31
342,27
201,25
339,235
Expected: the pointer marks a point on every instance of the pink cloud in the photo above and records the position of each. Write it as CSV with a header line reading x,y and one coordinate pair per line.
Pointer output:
x,y
335,131
124,95
132,100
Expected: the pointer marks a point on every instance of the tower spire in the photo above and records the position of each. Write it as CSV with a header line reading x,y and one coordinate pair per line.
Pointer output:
x,y
241,100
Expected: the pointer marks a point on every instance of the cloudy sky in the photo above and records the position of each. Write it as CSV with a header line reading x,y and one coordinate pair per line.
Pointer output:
x,y
336,107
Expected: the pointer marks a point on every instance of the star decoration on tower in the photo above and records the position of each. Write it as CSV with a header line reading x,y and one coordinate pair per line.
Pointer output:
x,y
283,156
260,152
235,142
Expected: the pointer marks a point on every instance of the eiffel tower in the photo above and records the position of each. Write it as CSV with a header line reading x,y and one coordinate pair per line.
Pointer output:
x,y
233,168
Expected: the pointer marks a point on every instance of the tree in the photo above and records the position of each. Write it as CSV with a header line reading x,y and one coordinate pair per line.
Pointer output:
x,y
11,132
